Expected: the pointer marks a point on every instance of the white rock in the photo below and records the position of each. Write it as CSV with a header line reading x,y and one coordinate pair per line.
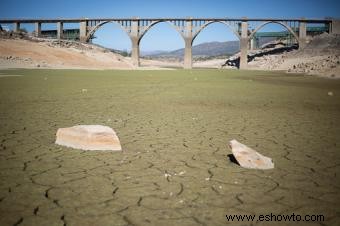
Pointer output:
x,y
249,158
89,137
181,173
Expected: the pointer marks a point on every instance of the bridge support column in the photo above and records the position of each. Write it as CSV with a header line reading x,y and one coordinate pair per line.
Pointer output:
x,y
188,53
135,52
16,27
82,31
335,29
134,35
244,45
37,29
60,28
252,44
302,35
188,39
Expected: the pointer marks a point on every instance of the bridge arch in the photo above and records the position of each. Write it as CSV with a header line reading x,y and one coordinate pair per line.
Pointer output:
x,y
212,22
274,22
155,23
161,35
99,25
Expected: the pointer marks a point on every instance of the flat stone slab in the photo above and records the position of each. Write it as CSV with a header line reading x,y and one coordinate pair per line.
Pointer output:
x,y
249,158
89,137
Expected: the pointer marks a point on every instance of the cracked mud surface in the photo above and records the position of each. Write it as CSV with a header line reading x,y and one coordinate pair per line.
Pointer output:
x,y
174,127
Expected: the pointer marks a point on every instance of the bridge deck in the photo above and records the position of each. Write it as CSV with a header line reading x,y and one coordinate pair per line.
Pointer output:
x,y
76,20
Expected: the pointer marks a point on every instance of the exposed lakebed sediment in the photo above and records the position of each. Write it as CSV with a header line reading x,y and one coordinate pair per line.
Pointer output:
x,y
174,128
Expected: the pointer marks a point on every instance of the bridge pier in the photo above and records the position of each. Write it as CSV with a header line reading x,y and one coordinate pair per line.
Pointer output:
x,y
135,39
188,39
244,45
83,31
37,29
60,28
335,28
188,53
135,51
302,35
16,27
252,43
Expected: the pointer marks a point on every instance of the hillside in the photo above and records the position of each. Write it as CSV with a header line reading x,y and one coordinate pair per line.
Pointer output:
x,y
208,49
21,51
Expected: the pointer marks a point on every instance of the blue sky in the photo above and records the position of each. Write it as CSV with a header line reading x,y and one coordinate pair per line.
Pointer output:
x,y
163,36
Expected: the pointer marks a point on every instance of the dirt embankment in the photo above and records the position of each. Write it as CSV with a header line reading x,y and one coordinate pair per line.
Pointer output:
x,y
20,51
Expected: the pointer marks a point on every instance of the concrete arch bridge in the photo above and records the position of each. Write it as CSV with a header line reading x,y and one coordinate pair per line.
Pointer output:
x,y
188,28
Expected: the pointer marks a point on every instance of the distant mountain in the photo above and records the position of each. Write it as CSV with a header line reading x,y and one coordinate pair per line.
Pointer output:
x,y
207,49
152,53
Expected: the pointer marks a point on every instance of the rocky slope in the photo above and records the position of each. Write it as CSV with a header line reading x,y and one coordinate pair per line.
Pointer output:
x,y
320,57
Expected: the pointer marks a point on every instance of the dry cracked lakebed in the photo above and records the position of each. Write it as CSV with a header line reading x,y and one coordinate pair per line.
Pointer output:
x,y
174,127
